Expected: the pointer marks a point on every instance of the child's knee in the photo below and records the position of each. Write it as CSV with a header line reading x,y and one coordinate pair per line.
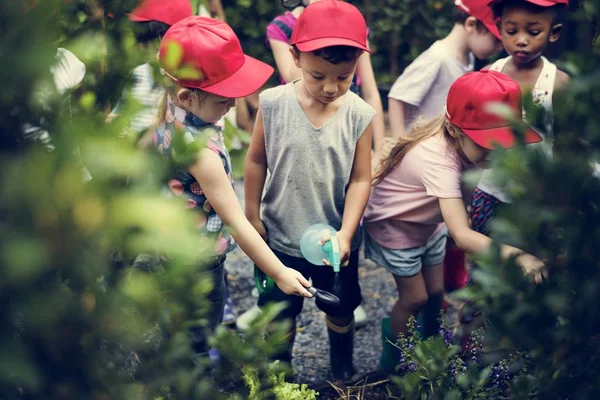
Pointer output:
x,y
416,301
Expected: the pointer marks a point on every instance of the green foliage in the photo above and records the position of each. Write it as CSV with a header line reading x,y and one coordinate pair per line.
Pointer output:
x,y
281,389
249,20
436,368
84,315
403,29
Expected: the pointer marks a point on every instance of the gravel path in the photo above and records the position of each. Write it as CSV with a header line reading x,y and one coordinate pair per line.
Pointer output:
x,y
311,349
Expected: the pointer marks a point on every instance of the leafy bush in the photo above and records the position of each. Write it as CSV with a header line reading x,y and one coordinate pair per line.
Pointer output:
x,y
249,20
403,29
547,334
437,368
281,389
83,316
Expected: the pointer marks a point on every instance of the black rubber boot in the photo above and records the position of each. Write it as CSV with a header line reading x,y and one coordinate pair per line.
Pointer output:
x,y
341,347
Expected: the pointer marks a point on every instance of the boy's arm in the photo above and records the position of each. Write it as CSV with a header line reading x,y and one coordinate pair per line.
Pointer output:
x,y
370,93
255,172
358,192
396,115
284,60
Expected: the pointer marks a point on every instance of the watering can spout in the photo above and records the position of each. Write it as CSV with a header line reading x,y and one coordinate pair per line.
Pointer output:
x,y
332,248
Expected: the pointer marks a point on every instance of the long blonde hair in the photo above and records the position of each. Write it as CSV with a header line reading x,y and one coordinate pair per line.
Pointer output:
x,y
422,131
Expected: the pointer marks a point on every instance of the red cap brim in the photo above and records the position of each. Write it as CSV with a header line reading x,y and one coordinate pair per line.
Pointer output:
x,y
502,136
494,29
541,3
316,44
248,79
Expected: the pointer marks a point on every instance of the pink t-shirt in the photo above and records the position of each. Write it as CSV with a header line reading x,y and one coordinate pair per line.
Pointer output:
x,y
403,210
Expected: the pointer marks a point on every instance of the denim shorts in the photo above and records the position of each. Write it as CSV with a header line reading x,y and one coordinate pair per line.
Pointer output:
x,y
407,262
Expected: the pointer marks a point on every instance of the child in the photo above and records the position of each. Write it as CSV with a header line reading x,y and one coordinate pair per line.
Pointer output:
x,y
314,137
526,27
279,32
417,196
422,88
191,108
152,19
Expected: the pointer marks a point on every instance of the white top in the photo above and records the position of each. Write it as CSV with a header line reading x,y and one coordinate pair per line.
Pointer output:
x,y
542,95
68,71
423,86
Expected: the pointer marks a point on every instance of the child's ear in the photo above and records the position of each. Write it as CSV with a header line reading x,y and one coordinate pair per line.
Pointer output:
x,y
471,25
185,97
555,32
296,56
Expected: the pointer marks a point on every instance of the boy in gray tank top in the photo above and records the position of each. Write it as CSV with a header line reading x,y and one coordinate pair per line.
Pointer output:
x,y
313,136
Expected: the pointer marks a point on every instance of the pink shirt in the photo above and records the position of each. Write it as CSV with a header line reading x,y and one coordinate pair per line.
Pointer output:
x,y
403,210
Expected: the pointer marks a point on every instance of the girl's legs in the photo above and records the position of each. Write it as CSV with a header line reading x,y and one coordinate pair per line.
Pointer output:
x,y
412,297
434,285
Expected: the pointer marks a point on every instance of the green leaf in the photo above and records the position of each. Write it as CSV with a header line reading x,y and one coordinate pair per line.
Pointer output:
x,y
173,56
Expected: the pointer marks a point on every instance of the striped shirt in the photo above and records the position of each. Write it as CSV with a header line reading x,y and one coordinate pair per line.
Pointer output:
x,y
145,91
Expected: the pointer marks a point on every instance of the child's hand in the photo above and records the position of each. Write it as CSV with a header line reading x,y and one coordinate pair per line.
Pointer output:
x,y
291,281
344,245
260,228
533,266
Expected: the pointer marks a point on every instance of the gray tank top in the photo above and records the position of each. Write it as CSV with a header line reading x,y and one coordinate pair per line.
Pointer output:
x,y
309,167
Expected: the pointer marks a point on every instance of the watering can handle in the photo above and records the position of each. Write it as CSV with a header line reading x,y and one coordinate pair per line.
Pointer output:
x,y
332,248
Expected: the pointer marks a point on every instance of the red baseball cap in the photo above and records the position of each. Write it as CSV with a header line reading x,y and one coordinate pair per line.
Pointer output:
x,y
168,11
211,50
467,108
330,23
541,3
480,10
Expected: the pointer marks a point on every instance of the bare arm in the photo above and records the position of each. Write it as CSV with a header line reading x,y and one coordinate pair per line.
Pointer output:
x,y
216,10
396,115
208,171
242,115
562,79
284,60
455,217
358,192
255,172
370,93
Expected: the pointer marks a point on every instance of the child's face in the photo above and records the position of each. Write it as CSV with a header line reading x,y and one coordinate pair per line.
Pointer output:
x,y
324,81
526,31
481,42
210,108
476,154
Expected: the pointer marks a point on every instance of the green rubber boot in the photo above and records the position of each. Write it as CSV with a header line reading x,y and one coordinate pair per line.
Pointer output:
x,y
390,354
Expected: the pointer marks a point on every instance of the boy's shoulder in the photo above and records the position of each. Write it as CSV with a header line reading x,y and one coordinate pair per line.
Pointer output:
x,y
435,53
275,94
358,105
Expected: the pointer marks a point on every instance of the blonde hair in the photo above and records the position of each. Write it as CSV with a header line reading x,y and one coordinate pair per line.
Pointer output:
x,y
171,91
421,131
